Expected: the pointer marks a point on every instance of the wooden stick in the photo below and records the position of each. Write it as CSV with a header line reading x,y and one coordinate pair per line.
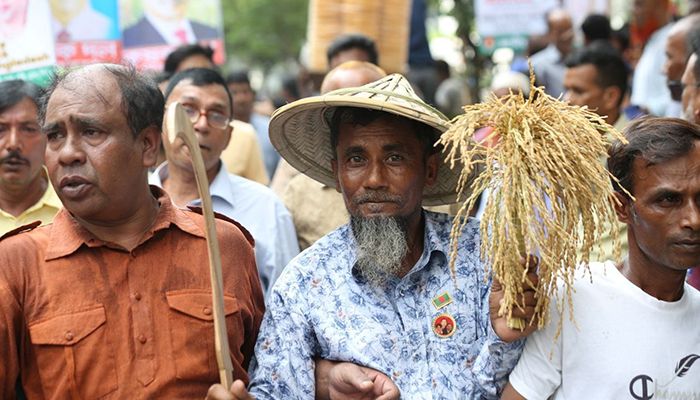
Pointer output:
x,y
179,125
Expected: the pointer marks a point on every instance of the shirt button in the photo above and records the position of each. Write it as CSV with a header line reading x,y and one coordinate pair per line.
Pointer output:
x,y
69,336
137,296
141,339
206,311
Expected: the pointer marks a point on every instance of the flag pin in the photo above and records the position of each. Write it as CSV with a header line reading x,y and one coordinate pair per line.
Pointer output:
x,y
442,300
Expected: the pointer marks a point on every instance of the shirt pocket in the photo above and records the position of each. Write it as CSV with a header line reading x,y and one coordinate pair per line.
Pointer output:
x,y
192,332
73,354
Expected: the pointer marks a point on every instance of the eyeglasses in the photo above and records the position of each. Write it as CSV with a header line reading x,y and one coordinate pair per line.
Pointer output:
x,y
215,119
676,88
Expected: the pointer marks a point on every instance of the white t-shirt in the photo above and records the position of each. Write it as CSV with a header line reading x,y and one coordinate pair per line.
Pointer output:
x,y
625,344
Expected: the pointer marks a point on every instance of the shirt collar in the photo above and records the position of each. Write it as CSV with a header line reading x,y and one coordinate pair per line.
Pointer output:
x,y
220,187
67,235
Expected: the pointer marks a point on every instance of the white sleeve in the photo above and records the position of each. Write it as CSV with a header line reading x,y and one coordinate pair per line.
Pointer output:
x,y
538,372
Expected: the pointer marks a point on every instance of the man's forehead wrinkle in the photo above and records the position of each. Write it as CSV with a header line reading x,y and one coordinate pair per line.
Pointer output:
x,y
94,81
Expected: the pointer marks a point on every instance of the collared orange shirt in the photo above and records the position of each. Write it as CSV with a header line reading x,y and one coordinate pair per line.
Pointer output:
x,y
85,319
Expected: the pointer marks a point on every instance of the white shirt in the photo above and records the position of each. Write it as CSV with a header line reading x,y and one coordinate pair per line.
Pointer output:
x,y
624,344
649,82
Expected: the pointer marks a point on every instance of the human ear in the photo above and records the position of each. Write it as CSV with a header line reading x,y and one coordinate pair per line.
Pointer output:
x,y
431,169
623,207
150,139
334,167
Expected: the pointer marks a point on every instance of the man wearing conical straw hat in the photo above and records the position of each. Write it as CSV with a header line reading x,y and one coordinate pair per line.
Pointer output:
x,y
376,295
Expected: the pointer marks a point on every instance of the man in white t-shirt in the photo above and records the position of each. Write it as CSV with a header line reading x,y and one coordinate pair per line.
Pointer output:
x,y
635,332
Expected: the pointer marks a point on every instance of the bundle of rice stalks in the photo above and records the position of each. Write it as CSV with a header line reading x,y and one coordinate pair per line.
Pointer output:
x,y
549,191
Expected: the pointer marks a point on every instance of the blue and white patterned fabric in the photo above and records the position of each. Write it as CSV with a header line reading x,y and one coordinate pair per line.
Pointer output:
x,y
320,308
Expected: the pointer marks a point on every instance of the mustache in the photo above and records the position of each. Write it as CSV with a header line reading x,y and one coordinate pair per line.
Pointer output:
x,y
13,155
375,197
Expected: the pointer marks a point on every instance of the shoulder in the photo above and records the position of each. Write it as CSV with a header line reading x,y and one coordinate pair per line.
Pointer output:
x,y
20,246
228,228
442,225
254,191
327,256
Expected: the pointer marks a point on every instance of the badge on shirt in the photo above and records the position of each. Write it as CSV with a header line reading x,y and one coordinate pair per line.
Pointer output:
x,y
442,300
444,325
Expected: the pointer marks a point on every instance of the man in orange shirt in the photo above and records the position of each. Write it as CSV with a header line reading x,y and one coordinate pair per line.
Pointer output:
x,y
113,299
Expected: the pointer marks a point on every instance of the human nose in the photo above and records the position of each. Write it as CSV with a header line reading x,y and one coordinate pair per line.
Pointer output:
x,y
691,216
13,142
71,152
376,178
200,121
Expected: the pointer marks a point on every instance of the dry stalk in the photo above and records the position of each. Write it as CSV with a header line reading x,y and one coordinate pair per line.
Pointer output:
x,y
550,193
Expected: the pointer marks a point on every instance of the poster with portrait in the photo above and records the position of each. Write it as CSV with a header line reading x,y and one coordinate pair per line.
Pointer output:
x,y
86,31
26,44
153,28
508,23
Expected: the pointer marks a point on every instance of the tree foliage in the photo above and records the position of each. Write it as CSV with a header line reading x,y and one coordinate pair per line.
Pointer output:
x,y
264,32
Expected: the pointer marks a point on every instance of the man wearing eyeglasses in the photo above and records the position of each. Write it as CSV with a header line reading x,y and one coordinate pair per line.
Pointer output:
x,y
207,101
677,53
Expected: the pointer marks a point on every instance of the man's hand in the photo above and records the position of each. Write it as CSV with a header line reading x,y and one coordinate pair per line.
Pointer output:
x,y
345,380
528,302
237,392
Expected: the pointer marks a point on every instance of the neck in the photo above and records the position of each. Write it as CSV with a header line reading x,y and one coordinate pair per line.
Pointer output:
x,y
661,282
244,118
15,199
129,231
612,117
415,239
181,183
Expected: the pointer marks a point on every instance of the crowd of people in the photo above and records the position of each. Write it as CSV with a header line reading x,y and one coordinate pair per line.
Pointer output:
x,y
334,217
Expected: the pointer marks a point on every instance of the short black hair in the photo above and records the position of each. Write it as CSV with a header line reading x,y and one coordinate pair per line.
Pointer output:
x,y
200,77
656,140
622,37
426,134
177,56
16,90
353,41
595,27
141,101
610,67
238,76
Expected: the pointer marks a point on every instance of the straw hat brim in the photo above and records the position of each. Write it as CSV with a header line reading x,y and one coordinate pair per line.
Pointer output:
x,y
301,134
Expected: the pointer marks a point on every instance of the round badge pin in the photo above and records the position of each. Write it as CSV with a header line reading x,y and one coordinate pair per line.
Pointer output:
x,y
444,325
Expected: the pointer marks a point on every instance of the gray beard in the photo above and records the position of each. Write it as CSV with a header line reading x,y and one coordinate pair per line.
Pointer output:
x,y
381,246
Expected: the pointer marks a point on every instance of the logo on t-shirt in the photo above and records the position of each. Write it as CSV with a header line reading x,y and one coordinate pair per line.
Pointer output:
x,y
643,387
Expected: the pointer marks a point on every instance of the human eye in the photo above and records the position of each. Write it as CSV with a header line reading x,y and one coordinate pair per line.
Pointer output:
x,y
355,160
31,129
217,118
53,135
668,199
190,110
395,158
3,128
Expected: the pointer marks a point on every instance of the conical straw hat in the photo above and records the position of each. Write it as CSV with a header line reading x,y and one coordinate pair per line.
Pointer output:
x,y
301,134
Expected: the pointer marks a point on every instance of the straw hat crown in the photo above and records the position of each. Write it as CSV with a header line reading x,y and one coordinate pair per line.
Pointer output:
x,y
300,130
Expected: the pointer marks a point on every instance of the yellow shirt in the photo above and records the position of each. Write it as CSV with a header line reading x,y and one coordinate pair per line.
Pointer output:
x,y
43,210
243,156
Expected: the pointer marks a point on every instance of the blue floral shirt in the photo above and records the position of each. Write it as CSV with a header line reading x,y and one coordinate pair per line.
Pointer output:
x,y
320,307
